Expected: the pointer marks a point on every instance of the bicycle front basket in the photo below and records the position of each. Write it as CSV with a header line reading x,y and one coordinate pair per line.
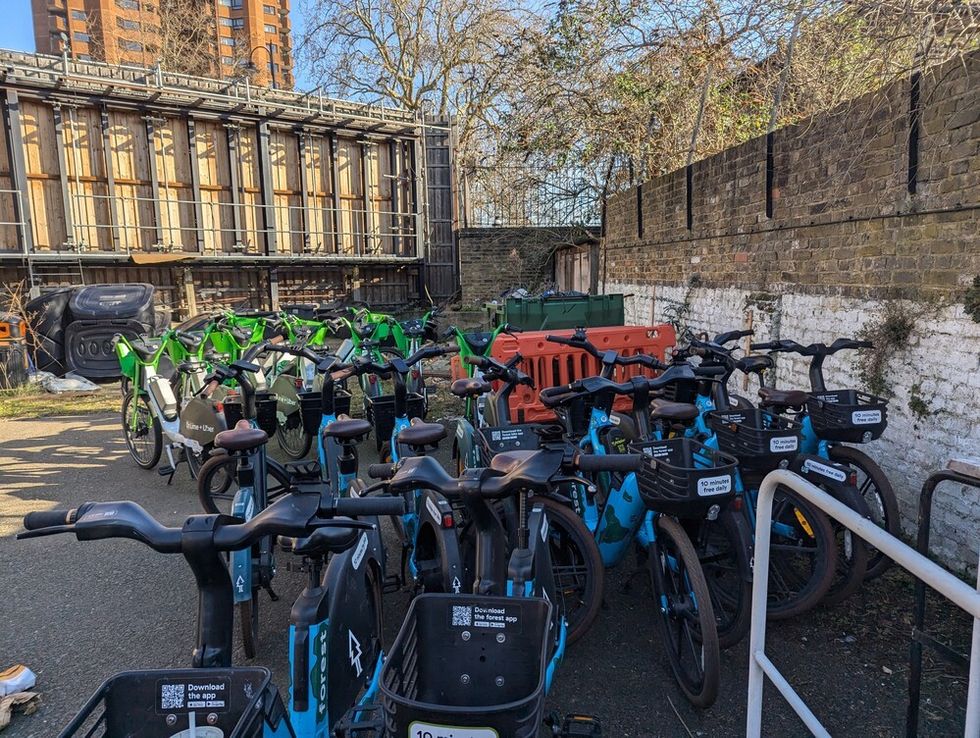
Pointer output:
x,y
468,666
236,703
683,477
760,440
850,416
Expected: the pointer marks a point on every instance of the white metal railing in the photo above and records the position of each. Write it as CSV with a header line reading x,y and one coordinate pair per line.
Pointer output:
x,y
130,224
760,667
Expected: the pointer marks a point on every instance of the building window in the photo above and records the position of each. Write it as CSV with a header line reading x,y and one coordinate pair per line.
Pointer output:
x,y
270,28
129,25
231,3
84,37
271,48
85,57
269,9
130,45
224,21
79,15
237,22
228,41
128,4
228,60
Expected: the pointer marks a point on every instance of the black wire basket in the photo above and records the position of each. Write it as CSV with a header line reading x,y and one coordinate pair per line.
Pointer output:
x,y
848,415
683,477
235,703
463,661
760,440
380,412
311,407
266,404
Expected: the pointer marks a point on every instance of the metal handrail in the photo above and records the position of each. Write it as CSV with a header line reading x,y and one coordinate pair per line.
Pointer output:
x,y
949,586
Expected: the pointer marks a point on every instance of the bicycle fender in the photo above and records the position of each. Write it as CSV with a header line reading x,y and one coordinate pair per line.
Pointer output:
x,y
240,562
353,642
465,446
436,540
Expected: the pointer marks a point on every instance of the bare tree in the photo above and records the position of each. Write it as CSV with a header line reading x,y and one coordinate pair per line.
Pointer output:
x,y
447,57
179,35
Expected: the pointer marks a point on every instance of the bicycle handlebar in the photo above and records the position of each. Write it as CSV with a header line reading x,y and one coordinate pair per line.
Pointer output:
x,y
814,349
609,462
291,515
495,370
722,338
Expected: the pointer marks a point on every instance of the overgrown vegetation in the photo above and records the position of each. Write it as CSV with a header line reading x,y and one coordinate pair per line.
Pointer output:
x,y
918,403
617,91
891,330
971,300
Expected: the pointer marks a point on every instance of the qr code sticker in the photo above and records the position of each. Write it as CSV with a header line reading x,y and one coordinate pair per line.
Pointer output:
x,y
172,697
462,615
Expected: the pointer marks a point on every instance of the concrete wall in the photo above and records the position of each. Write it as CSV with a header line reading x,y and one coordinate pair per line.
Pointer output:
x,y
846,243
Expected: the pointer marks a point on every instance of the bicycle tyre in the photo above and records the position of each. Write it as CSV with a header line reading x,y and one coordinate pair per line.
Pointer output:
x,y
151,457
210,498
883,503
248,619
292,437
812,585
725,551
852,553
701,690
570,541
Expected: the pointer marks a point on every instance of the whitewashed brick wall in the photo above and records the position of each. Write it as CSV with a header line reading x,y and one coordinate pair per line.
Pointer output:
x,y
943,358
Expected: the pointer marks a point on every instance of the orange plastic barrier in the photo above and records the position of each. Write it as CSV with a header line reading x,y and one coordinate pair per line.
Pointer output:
x,y
552,364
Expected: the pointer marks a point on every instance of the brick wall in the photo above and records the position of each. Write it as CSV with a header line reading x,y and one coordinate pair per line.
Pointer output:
x,y
492,260
845,237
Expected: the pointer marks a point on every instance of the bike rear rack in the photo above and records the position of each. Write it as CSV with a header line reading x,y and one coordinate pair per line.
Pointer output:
x,y
931,574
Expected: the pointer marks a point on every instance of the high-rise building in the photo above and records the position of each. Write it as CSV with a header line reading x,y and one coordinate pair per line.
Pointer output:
x,y
225,38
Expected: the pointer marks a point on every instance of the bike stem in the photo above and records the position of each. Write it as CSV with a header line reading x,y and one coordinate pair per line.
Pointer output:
x,y
215,608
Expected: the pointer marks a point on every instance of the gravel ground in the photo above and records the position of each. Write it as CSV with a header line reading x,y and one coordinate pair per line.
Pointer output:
x,y
79,612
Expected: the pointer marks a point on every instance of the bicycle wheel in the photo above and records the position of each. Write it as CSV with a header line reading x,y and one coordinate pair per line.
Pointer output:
x,y
293,439
686,619
217,497
141,428
577,566
802,556
852,553
725,551
880,496
219,482
248,620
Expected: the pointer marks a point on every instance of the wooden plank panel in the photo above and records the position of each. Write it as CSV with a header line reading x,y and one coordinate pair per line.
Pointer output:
x,y
253,235
87,182
43,172
8,196
130,152
218,220
319,222
287,190
177,217
351,196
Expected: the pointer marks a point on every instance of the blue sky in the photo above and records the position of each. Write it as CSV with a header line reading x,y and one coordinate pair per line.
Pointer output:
x,y
17,32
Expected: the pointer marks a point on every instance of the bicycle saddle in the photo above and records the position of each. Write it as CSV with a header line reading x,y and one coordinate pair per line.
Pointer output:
x,y
748,364
321,542
507,461
667,410
420,434
243,437
470,387
783,398
145,349
478,341
345,428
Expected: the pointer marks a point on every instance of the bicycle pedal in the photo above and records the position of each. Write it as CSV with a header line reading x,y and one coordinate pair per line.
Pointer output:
x,y
392,583
272,594
165,471
580,726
